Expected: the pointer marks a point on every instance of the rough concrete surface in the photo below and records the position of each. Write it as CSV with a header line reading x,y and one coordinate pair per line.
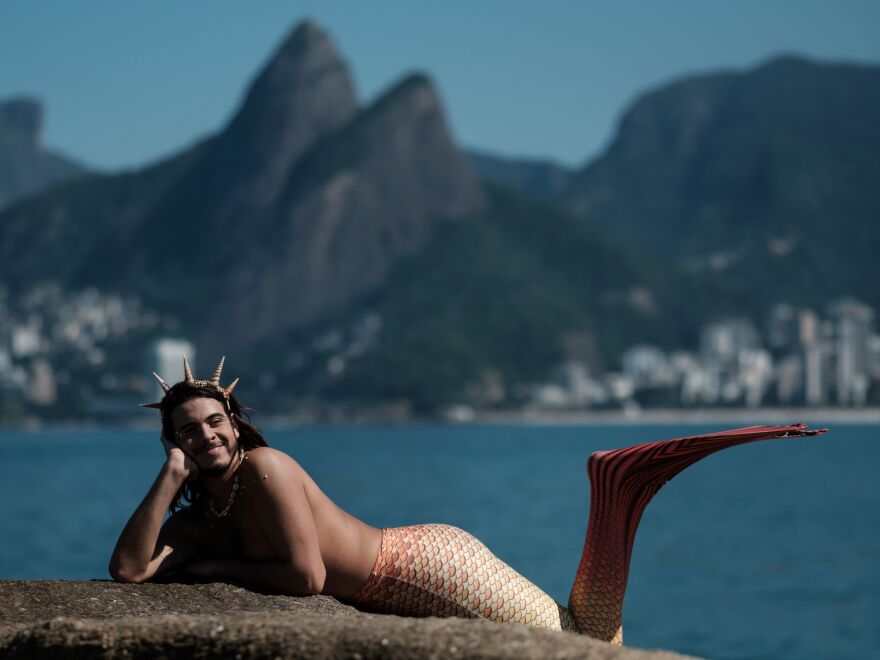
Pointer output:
x,y
101,619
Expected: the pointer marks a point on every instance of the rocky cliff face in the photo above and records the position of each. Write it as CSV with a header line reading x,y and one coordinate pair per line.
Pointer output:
x,y
354,205
300,205
302,94
764,181
108,620
721,194
25,166
233,180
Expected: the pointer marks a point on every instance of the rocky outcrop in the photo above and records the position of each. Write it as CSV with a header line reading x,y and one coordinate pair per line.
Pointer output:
x,y
298,207
108,620
223,202
304,93
763,181
25,166
355,204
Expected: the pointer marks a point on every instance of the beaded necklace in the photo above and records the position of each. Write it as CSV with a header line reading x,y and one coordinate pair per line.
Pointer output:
x,y
231,500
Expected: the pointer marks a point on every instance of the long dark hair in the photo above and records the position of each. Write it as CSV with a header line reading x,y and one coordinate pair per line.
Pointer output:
x,y
192,494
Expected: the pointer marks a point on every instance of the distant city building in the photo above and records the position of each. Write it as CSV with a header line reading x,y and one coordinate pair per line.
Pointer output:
x,y
647,364
782,327
42,389
853,328
790,379
165,357
571,386
26,340
808,327
755,373
874,357
723,341
817,371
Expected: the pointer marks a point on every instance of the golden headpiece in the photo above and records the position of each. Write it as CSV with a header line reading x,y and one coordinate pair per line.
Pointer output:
x,y
188,378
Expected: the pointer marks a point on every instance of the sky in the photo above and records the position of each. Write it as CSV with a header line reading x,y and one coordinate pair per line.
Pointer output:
x,y
127,82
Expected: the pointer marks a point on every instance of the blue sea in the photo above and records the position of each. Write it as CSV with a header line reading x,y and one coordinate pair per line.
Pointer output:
x,y
768,550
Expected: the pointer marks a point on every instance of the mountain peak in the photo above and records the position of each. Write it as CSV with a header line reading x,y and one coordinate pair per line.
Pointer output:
x,y
413,82
307,33
361,200
304,93
23,117
306,49
415,92
25,166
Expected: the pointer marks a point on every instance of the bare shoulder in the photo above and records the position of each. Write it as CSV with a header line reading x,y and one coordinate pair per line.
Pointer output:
x,y
264,463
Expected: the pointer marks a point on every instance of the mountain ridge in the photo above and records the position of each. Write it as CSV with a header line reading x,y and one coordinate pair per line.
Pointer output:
x,y
748,177
371,232
178,235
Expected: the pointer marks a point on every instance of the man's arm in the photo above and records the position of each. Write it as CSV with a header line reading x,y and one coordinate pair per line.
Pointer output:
x,y
146,547
281,507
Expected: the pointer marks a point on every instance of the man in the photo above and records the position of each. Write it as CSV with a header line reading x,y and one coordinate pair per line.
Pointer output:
x,y
256,517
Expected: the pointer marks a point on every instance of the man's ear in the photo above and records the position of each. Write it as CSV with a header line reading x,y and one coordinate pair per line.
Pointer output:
x,y
234,426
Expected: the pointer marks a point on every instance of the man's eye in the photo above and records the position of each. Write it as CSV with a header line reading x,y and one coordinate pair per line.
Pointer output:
x,y
217,421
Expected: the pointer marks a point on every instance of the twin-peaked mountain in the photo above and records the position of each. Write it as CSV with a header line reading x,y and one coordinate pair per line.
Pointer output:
x,y
308,211
300,203
299,206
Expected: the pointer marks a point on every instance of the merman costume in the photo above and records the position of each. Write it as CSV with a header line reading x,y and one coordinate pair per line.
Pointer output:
x,y
440,570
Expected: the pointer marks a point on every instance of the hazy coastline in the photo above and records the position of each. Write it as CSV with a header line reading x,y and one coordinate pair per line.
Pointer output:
x,y
744,416
670,416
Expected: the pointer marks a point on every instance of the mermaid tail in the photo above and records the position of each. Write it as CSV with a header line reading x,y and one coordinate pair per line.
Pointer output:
x,y
439,570
622,482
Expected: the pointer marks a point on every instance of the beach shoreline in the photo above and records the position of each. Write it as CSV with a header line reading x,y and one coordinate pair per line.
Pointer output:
x,y
670,416
522,417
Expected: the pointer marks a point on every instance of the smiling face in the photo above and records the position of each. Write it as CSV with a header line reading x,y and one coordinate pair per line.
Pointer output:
x,y
206,433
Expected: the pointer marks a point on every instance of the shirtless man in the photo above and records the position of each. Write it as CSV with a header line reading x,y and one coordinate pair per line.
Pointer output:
x,y
280,531
256,517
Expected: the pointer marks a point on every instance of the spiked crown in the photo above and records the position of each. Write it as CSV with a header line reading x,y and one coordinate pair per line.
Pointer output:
x,y
188,379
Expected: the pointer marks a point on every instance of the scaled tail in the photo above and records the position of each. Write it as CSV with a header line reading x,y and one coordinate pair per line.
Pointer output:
x,y
622,482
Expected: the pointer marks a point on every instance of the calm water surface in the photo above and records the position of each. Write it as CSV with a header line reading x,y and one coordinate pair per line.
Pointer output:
x,y
766,550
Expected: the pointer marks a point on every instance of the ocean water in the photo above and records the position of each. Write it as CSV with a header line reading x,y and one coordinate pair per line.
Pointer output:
x,y
768,550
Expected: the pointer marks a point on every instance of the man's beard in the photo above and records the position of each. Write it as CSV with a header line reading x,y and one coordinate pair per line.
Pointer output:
x,y
216,470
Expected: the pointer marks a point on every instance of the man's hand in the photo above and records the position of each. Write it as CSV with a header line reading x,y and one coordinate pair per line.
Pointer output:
x,y
179,463
147,547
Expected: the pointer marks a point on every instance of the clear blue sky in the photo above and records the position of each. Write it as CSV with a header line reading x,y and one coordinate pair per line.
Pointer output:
x,y
128,81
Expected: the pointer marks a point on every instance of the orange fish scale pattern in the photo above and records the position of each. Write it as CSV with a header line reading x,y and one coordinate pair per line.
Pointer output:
x,y
440,570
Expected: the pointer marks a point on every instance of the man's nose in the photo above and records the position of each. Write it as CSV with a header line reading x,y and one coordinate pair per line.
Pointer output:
x,y
206,432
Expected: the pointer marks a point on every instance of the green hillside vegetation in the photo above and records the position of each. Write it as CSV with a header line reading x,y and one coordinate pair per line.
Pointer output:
x,y
720,195
512,293
765,182
61,235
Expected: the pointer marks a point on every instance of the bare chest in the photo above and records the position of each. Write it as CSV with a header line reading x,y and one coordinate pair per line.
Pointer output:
x,y
237,535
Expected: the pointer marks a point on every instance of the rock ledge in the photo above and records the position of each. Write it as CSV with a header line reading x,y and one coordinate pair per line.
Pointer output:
x,y
102,619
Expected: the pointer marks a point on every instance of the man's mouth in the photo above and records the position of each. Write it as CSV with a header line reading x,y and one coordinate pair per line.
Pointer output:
x,y
211,450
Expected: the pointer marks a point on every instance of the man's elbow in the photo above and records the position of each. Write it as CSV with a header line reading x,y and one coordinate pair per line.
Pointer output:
x,y
312,579
126,575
